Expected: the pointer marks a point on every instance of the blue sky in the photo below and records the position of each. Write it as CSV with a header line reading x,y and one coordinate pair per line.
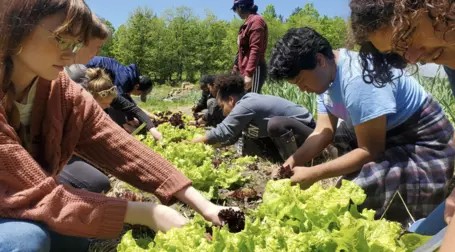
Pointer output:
x,y
117,11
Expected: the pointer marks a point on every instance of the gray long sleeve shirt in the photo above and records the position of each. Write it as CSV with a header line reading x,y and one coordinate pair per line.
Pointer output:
x,y
251,114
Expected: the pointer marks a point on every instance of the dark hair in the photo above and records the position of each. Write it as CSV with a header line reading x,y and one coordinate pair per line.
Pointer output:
x,y
18,18
368,16
229,85
248,8
145,83
377,66
207,80
297,51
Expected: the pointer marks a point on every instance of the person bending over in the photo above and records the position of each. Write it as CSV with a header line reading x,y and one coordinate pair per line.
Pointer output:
x,y
271,126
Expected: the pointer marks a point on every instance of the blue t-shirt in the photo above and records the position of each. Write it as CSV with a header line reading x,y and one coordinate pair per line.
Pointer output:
x,y
356,102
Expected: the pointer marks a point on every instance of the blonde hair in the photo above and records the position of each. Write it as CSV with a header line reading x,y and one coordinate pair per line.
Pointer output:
x,y
99,83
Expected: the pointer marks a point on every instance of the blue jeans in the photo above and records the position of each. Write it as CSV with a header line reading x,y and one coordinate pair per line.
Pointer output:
x,y
432,224
24,236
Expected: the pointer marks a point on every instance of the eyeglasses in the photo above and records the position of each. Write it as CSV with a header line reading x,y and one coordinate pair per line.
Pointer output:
x,y
105,93
65,44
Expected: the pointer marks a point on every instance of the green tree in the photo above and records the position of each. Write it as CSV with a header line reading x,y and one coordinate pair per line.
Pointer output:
x,y
180,46
108,48
275,25
134,40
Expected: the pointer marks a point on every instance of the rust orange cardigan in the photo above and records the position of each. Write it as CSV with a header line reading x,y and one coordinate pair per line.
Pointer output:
x,y
66,120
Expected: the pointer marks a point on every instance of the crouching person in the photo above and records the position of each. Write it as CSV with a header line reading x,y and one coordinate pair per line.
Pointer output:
x,y
272,127
211,112
398,140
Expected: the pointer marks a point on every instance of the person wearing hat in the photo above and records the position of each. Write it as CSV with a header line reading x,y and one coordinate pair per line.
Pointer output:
x,y
252,44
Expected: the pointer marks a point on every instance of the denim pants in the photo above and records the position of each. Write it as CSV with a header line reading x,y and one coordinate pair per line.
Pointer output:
x,y
27,236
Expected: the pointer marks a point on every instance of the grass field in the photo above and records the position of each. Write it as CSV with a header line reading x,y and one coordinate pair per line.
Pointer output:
x,y
438,87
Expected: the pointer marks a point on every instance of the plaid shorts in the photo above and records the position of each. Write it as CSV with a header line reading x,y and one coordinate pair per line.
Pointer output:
x,y
418,162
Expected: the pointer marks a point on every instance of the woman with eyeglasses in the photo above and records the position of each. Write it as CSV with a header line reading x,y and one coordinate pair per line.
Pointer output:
x,y
110,100
60,118
100,85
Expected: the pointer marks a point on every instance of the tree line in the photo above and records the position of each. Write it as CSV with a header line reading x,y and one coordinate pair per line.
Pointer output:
x,y
178,45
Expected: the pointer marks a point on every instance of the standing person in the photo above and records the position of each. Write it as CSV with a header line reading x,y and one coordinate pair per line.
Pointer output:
x,y
396,138
212,114
37,213
273,127
252,44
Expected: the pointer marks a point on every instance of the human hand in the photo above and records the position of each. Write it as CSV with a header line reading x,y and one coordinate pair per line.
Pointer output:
x,y
156,217
450,207
282,172
156,134
201,122
130,129
305,176
290,162
285,170
134,123
212,214
199,139
248,83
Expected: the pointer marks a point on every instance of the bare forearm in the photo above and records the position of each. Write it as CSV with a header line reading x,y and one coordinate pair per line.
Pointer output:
x,y
135,211
449,242
346,164
312,147
193,198
156,217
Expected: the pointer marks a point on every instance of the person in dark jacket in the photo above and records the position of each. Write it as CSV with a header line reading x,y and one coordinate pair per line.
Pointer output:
x,y
252,45
99,84
127,79
272,127
212,114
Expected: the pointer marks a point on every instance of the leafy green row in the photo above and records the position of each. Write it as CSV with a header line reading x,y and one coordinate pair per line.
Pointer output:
x,y
196,160
290,219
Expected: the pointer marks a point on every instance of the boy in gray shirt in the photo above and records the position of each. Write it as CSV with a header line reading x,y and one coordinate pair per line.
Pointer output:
x,y
272,126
